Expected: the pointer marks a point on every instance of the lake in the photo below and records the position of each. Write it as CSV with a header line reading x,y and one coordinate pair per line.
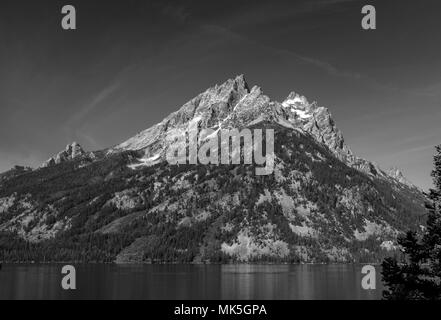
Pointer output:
x,y
189,282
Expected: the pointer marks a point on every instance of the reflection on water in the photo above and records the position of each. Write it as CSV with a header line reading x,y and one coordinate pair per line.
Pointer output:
x,y
247,282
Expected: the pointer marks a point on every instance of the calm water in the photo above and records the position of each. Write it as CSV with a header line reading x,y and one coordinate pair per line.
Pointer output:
x,y
188,282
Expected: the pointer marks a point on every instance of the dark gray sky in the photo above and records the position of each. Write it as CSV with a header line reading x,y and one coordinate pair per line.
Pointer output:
x,y
131,63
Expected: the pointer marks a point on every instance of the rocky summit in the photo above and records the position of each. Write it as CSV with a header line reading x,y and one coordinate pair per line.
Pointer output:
x,y
73,151
127,204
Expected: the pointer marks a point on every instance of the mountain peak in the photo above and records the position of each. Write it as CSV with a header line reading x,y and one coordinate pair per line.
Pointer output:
x,y
398,175
295,99
237,84
74,148
208,108
233,104
241,82
71,152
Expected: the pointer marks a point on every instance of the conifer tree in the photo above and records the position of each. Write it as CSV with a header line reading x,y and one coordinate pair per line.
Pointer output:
x,y
419,277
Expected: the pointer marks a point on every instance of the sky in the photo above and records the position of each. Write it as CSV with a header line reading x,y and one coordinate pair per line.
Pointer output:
x,y
131,63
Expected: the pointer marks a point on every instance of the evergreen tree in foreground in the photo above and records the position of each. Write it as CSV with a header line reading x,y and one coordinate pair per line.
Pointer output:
x,y
420,276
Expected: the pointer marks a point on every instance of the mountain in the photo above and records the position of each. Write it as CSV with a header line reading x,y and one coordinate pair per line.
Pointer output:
x,y
234,105
73,151
398,175
14,172
321,203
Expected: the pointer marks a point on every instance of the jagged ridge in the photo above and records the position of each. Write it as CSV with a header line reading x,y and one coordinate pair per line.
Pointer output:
x,y
234,105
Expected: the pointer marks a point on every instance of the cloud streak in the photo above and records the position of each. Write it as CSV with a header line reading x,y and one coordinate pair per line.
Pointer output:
x,y
320,64
412,150
177,12
93,104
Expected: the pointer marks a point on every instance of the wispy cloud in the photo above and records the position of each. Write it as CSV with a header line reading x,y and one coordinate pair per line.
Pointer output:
x,y
423,137
267,13
175,11
432,90
410,150
93,104
75,124
323,65
330,2
313,5
90,140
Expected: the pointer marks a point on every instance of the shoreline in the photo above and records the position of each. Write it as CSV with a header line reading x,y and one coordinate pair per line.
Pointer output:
x,y
187,264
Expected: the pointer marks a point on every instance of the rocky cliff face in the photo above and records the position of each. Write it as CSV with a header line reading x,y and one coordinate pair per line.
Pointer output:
x,y
73,151
398,175
319,123
208,109
127,204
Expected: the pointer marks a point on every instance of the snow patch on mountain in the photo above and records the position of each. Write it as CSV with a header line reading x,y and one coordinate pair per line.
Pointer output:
x,y
145,162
